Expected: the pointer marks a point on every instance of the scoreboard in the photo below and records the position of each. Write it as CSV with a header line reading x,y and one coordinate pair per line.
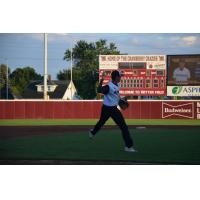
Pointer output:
x,y
143,75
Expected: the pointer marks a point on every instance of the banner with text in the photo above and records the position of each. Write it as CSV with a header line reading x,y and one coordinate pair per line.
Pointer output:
x,y
183,91
181,110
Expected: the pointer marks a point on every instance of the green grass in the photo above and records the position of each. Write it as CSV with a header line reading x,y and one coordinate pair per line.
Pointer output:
x,y
179,146
44,122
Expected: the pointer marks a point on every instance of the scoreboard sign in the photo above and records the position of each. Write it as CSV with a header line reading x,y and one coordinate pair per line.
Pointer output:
x,y
143,75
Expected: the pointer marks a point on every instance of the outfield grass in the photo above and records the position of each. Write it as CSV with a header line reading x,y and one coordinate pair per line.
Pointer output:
x,y
180,146
49,122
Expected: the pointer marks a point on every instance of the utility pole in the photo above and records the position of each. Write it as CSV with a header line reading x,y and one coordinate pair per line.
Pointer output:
x,y
45,66
6,78
0,81
71,70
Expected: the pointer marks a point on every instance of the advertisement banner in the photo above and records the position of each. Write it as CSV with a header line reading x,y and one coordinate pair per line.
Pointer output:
x,y
143,75
183,91
180,110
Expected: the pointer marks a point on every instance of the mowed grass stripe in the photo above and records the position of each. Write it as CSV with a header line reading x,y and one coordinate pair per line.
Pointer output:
x,y
52,122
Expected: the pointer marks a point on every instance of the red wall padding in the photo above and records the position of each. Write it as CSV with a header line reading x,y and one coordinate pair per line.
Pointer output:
x,y
9,110
29,110
19,110
82,109
2,109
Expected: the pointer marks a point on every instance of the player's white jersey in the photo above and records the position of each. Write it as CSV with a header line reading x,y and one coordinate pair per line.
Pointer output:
x,y
181,75
112,98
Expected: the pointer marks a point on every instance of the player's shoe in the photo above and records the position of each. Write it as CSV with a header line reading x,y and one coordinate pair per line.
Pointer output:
x,y
91,136
130,149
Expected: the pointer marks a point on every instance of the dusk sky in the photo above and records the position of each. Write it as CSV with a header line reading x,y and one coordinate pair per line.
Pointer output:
x,y
26,49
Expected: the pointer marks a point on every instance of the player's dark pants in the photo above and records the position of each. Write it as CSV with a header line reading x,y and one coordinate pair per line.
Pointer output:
x,y
115,114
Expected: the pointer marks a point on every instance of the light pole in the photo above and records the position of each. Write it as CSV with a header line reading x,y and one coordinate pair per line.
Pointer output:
x,y
0,82
6,78
71,61
71,69
45,66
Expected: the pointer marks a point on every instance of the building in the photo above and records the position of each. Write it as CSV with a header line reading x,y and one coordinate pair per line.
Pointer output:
x,y
55,89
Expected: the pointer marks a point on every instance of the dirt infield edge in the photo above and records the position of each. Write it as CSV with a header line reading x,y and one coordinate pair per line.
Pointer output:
x,y
16,131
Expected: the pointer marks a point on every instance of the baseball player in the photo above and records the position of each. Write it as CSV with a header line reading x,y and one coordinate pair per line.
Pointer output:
x,y
181,74
109,109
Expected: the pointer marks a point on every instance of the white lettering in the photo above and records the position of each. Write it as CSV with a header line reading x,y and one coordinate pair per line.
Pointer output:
x,y
179,110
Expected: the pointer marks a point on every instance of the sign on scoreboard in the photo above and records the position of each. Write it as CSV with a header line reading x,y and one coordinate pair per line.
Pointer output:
x,y
143,75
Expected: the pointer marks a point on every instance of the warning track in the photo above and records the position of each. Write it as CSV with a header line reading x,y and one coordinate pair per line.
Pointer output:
x,y
17,131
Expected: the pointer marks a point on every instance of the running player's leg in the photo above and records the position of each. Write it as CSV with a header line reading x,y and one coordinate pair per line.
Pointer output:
x,y
105,114
119,120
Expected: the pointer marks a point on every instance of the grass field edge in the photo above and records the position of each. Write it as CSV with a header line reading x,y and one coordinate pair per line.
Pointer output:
x,y
51,122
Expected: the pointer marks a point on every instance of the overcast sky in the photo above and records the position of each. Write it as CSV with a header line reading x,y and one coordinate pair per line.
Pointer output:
x,y
23,50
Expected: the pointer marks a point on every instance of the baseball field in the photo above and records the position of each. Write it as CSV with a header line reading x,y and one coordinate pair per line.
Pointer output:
x,y
67,142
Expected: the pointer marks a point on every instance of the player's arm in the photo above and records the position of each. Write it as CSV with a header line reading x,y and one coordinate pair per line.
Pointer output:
x,y
102,89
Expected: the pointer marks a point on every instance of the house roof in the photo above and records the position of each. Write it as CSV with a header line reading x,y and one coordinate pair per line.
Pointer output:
x,y
31,91
49,82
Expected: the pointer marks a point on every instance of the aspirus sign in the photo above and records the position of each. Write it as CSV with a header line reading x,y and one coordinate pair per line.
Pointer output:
x,y
183,90
180,110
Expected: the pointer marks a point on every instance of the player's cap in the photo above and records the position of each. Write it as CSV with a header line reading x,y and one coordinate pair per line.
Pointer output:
x,y
115,74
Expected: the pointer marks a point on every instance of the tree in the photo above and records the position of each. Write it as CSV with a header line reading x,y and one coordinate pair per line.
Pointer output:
x,y
21,78
3,75
86,63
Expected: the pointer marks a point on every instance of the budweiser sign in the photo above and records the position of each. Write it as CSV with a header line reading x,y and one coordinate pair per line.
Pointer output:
x,y
182,110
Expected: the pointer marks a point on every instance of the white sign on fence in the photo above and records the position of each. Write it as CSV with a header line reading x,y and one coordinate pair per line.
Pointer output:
x,y
183,90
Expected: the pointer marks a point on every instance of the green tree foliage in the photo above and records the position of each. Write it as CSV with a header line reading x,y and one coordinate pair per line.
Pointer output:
x,y
3,75
86,64
21,77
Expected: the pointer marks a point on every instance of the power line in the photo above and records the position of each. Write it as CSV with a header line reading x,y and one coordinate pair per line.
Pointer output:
x,y
27,58
31,46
